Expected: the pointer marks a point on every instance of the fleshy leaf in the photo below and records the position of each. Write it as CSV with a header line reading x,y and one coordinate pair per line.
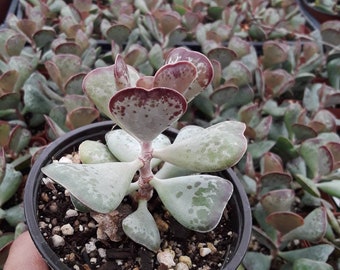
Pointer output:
x,y
121,73
100,187
141,227
284,221
177,76
312,230
278,200
126,148
308,264
318,253
307,184
255,260
100,86
205,197
205,71
95,152
10,184
214,148
147,113
330,187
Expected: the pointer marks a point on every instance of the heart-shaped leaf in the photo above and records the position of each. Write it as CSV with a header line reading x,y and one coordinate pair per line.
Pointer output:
x,y
101,187
126,148
205,71
214,148
313,229
147,113
141,227
284,221
178,76
204,198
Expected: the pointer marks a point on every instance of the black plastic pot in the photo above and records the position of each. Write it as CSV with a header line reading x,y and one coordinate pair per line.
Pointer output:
x,y
240,216
7,7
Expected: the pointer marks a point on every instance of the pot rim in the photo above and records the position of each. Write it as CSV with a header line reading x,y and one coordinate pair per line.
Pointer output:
x,y
62,144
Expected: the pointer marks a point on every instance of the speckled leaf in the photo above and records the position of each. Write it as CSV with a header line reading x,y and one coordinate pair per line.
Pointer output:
x,y
215,148
313,229
274,180
95,152
101,187
126,148
310,264
119,33
238,73
44,37
205,71
141,227
204,198
278,200
257,261
318,253
223,94
178,76
100,85
146,113
284,221
222,54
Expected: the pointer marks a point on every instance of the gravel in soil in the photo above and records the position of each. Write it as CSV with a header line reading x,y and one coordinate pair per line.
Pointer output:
x,y
73,235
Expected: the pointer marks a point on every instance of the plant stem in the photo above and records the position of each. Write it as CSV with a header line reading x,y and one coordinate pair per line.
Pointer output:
x,y
145,189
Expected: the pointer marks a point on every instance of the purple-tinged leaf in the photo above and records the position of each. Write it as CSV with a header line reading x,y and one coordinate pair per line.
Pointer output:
x,y
334,148
325,161
284,221
326,118
146,113
222,54
273,181
74,84
240,46
178,76
2,153
278,200
303,132
277,82
271,162
68,48
313,229
145,82
224,93
7,81
81,116
121,73
205,71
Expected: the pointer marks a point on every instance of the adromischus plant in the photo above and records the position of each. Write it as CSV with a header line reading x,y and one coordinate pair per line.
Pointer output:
x,y
144,106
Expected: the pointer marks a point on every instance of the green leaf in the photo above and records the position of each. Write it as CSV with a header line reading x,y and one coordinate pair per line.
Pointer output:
x,y
274,181
141,227
100,187
100,86
330,187
278,200
257,261
195,201
95,152
307,264
307,184
284,221
119,33
9,184
126,148
317,253
215,148
257,149
313,229
14,215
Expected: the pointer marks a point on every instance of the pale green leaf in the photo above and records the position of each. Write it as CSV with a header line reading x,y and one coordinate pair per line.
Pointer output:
x,y
141,227
214,148
195,201
308,264
95,152
318,253
100,187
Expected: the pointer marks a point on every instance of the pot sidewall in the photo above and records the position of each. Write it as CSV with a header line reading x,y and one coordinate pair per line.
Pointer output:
x,y
241,220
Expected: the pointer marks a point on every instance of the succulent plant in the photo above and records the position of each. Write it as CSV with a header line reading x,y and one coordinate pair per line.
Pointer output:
x,y
144,106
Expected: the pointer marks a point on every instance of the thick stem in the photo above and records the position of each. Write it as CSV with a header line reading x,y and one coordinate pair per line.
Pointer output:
x,y
145,189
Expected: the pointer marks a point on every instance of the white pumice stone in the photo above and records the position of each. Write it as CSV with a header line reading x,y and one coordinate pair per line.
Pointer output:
x,y
71,213
182,266
58,241
65,160
204,251
167,258
67,229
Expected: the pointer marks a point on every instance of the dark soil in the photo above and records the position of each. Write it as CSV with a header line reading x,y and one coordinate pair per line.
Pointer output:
x,y
125,254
